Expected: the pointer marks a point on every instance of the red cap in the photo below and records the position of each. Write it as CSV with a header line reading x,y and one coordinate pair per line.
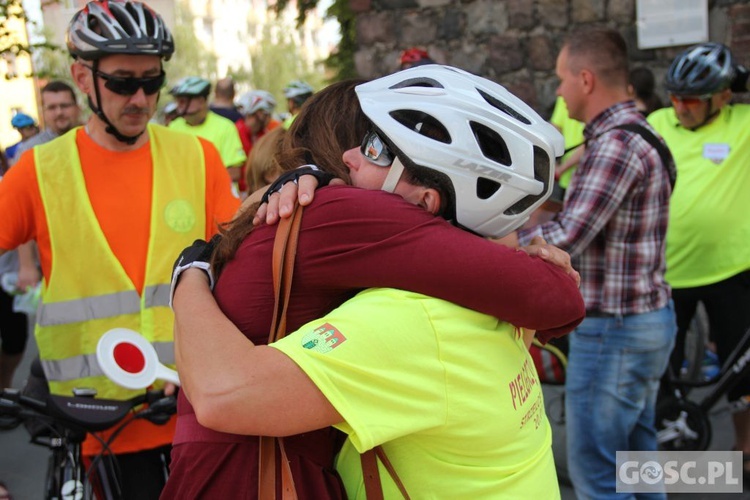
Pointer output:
x,y
413,55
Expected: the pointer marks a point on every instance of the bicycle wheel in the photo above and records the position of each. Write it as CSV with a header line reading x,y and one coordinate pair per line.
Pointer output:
x,y
681,426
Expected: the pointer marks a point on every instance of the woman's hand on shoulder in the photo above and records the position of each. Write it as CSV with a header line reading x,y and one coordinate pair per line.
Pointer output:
x,y
280,203
554,255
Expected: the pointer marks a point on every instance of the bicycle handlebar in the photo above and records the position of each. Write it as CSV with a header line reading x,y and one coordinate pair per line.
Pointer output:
x,y
88,413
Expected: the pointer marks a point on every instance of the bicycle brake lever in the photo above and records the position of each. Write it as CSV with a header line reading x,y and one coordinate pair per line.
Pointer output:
x,y
8,407
160,410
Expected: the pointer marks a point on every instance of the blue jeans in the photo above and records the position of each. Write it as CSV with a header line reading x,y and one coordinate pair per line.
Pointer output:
x,y
613,373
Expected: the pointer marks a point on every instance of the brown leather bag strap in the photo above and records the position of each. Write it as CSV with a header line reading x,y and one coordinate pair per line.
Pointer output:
x,y
267,468
371,474
288,491
284,253
267,471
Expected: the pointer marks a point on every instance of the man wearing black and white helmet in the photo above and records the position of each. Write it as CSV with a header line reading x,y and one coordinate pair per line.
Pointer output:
x,y
708,255
118,49
108,204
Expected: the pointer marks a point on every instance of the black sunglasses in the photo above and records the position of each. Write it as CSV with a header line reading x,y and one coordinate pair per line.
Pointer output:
x,y
129,85
375,150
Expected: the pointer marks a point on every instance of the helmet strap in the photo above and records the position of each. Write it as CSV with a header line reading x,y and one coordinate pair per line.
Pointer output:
x,y
394,175
129,140
710,114
182,113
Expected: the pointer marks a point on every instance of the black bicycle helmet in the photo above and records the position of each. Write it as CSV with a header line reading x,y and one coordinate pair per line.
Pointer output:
x,y
704,69
108,27
105,27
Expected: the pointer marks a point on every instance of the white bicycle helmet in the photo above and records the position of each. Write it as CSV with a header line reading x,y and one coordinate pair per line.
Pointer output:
x,y
297,88
250,102
118,27
498,153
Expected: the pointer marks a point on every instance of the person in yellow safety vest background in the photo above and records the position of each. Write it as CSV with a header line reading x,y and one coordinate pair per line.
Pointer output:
x,y
109,205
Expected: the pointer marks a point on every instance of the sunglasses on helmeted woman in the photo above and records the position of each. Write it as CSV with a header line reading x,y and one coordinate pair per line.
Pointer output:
x,y
375,150
129,85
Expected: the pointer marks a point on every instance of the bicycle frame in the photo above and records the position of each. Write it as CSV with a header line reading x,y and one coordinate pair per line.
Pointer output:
x,y
732,371
66,476
69,419
690,427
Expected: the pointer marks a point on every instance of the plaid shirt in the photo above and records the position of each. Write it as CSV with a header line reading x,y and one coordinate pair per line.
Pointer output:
x,y
614,219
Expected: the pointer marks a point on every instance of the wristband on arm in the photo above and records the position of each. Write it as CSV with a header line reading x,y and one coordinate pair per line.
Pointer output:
x,y
197,255
293,175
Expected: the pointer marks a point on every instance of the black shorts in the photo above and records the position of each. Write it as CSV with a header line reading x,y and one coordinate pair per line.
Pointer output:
x,y
727,305
14,327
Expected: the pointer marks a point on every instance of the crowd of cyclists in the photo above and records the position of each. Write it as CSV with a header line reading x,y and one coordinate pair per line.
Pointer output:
x,y
428,260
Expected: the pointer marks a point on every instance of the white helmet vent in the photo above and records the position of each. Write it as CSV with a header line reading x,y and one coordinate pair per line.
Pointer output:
x,y
423,124
542,162
417,82
491,144
504,107
486,188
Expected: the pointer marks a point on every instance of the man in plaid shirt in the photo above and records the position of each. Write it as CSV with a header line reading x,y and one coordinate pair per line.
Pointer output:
x,y
613,223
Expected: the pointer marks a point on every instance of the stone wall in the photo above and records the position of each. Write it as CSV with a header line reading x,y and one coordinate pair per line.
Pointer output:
x,y
515,42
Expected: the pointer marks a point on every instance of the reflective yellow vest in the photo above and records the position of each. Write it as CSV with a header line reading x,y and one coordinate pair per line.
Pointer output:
x,y
88,291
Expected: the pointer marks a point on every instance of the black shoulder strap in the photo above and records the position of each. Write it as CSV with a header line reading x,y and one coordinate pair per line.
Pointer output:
x,y
664,153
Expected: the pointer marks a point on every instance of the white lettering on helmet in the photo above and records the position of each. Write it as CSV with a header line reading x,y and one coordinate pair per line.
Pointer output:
x,y
483,170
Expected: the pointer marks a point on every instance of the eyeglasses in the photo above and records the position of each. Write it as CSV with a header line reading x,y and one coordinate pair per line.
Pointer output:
x,y
129,85
689,100
62,106
374,149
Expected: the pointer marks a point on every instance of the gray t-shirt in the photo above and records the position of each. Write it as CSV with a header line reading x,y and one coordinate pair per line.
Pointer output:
x,y
9,262
45,135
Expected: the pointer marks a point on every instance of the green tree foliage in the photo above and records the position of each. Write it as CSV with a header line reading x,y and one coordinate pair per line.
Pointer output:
x,y
341,61
11,45
191,57
51,62
275,62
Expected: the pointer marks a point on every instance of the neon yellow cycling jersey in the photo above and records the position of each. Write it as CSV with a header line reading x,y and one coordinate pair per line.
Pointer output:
x,y
709,227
